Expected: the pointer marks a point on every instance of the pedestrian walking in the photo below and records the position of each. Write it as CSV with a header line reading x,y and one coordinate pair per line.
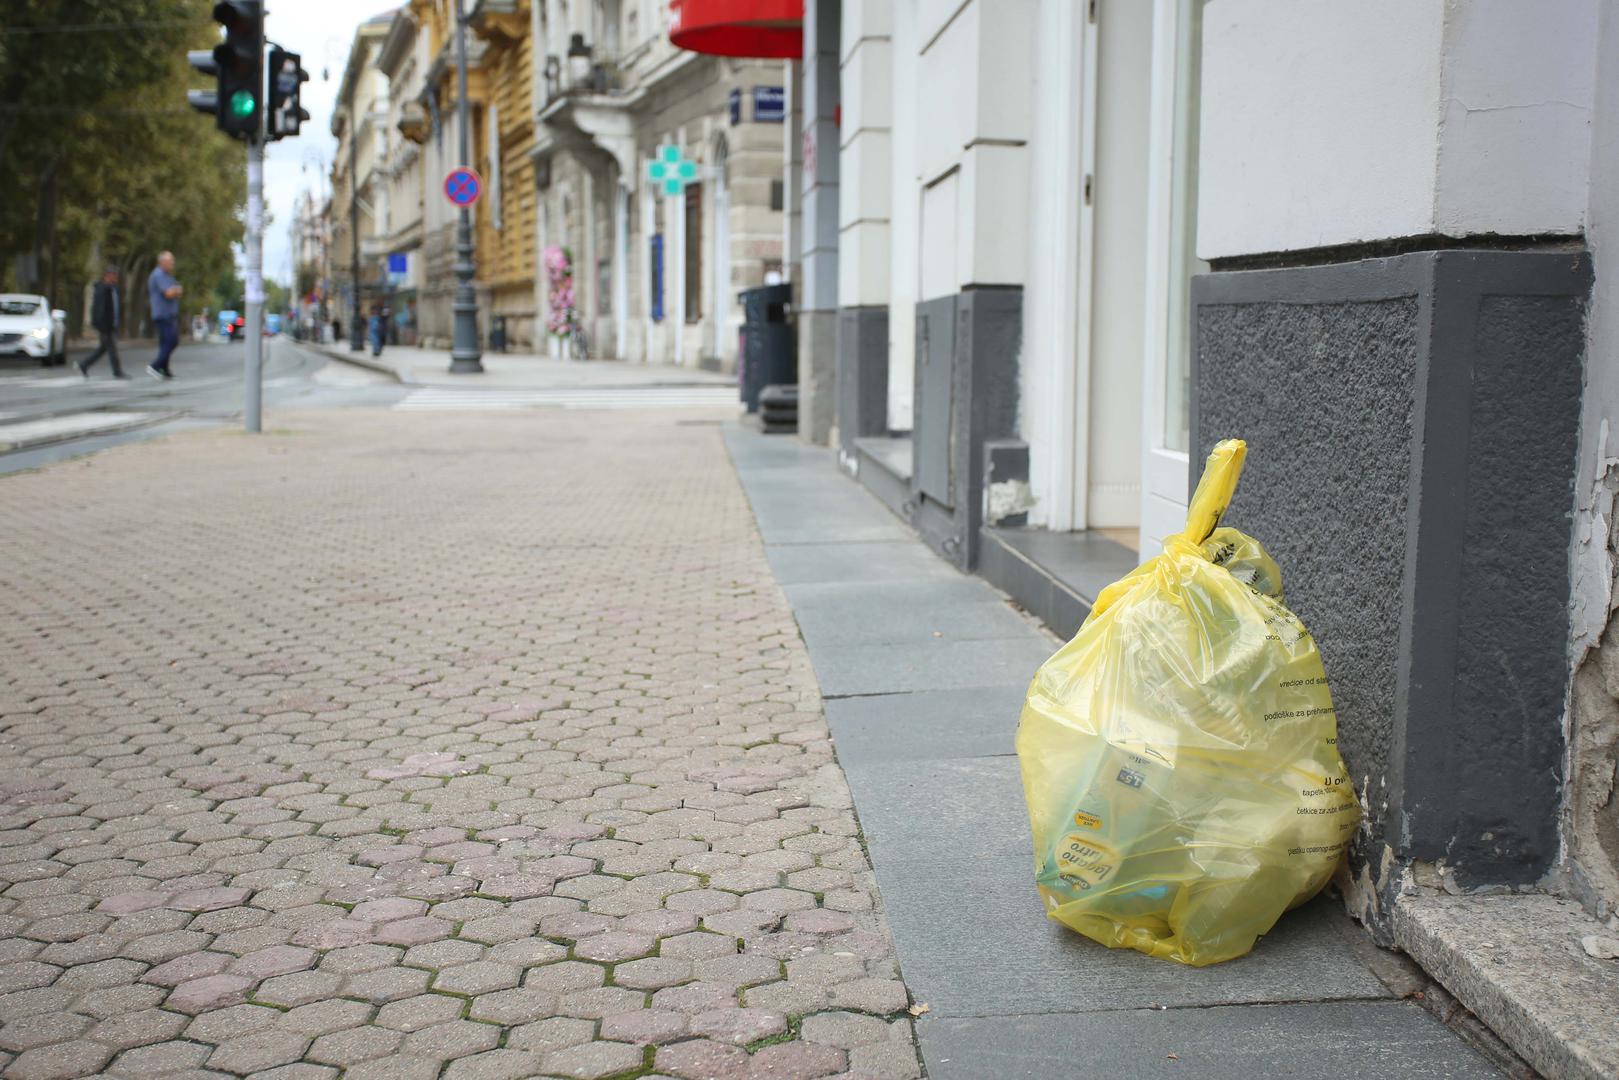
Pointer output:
x,y
106,315
379,328
164,294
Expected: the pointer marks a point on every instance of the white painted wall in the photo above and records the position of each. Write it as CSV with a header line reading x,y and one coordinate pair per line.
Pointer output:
x,y
1596,485
1327,123
1319,123
975,78
865,181
1515,119
905,217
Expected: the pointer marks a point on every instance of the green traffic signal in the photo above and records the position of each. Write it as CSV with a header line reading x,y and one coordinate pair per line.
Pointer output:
x,y
242,103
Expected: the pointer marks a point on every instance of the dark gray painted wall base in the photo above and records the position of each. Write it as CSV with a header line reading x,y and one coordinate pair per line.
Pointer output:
x,y
862,374
1411,425
966,395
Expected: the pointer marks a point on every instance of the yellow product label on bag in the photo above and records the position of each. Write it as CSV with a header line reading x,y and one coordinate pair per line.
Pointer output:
x,y
1087,821
1083,861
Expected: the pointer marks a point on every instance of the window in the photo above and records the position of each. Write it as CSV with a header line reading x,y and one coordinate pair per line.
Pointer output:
x,y
778,195
694,253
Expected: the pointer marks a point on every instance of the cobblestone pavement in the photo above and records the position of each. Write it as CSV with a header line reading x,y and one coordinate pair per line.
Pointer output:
x,y
402,746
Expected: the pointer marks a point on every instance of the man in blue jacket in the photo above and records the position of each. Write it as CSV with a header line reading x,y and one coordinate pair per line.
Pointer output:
x,y
163,292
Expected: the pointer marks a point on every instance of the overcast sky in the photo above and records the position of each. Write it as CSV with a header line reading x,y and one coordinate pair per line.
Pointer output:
x,y
321,31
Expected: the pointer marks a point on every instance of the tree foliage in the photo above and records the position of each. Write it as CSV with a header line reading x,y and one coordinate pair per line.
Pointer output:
x,y
101,161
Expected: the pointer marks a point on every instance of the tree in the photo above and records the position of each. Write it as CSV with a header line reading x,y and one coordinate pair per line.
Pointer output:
x,y
101,161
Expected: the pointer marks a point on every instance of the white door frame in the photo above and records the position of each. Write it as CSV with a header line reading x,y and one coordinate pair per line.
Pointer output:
x,y
1164,471
1071,269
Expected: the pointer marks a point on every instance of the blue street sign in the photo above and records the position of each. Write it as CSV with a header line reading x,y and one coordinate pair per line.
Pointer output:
x,y
463,186
398,263
769,104
670,171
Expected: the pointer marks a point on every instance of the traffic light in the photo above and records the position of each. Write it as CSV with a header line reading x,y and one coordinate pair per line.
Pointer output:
x,y
287,77
237,63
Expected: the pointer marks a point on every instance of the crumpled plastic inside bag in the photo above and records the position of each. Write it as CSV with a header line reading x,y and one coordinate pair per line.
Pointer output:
x,y
1179,755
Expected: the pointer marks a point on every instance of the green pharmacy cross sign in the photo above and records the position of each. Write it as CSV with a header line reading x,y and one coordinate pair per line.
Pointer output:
x,y
671,170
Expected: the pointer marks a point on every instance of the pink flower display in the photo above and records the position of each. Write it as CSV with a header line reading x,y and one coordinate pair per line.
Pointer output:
x,y
563,318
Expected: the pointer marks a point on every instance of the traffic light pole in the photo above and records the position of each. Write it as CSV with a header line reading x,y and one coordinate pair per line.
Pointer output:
x,y
253,392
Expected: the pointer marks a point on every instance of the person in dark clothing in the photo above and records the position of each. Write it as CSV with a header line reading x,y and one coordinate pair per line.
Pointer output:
x,y
106,315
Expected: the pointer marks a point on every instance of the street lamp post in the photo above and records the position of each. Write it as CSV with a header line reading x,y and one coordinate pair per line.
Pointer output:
x,y
356,335
465,356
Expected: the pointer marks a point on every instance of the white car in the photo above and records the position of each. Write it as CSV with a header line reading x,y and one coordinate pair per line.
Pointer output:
x,y
29,327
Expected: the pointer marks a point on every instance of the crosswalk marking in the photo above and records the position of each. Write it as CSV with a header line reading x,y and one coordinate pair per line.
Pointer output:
x,y
629,397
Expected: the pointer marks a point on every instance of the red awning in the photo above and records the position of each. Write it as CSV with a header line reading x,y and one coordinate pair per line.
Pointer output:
x,y
763,29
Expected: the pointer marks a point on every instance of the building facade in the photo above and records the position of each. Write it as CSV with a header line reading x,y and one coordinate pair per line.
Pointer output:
x,y
653,273
1051,252
361,212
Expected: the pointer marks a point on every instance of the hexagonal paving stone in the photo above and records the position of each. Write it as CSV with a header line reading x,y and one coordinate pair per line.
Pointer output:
x,y
161,1059
412,931
881,996
593,1060
479,977
358,958
42,1029
258,1051
701,1059
738,971
653,973
60,1061
614,946
495,1065
844,1030
354,1045
273,961
458,1038
553,1034
604,1001
530,952
386,984
390,909
574,925
797,1061
567,975
181,969
644,1026
210,992
421,1011
738,1026
324,1017
138,1028
222,1024
495,929
299,988
518,1006
698,945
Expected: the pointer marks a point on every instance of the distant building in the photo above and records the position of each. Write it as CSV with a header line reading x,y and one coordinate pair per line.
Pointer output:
x,y
360,188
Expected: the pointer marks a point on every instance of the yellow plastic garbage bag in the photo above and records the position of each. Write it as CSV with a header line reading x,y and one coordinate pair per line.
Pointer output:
x,y
1179,755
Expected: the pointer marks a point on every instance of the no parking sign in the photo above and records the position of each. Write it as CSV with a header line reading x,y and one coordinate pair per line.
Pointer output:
x,y
463,186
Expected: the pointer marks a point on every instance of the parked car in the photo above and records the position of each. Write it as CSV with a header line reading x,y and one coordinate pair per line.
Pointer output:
x,y
231,324
30,327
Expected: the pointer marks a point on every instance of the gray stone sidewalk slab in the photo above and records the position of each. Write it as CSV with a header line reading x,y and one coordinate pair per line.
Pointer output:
x,y
872,613
803,564
978,721
950,842
1363,1040
937,664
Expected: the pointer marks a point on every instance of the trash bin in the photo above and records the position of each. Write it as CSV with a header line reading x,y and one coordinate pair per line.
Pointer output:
x,y
769,347
497,334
